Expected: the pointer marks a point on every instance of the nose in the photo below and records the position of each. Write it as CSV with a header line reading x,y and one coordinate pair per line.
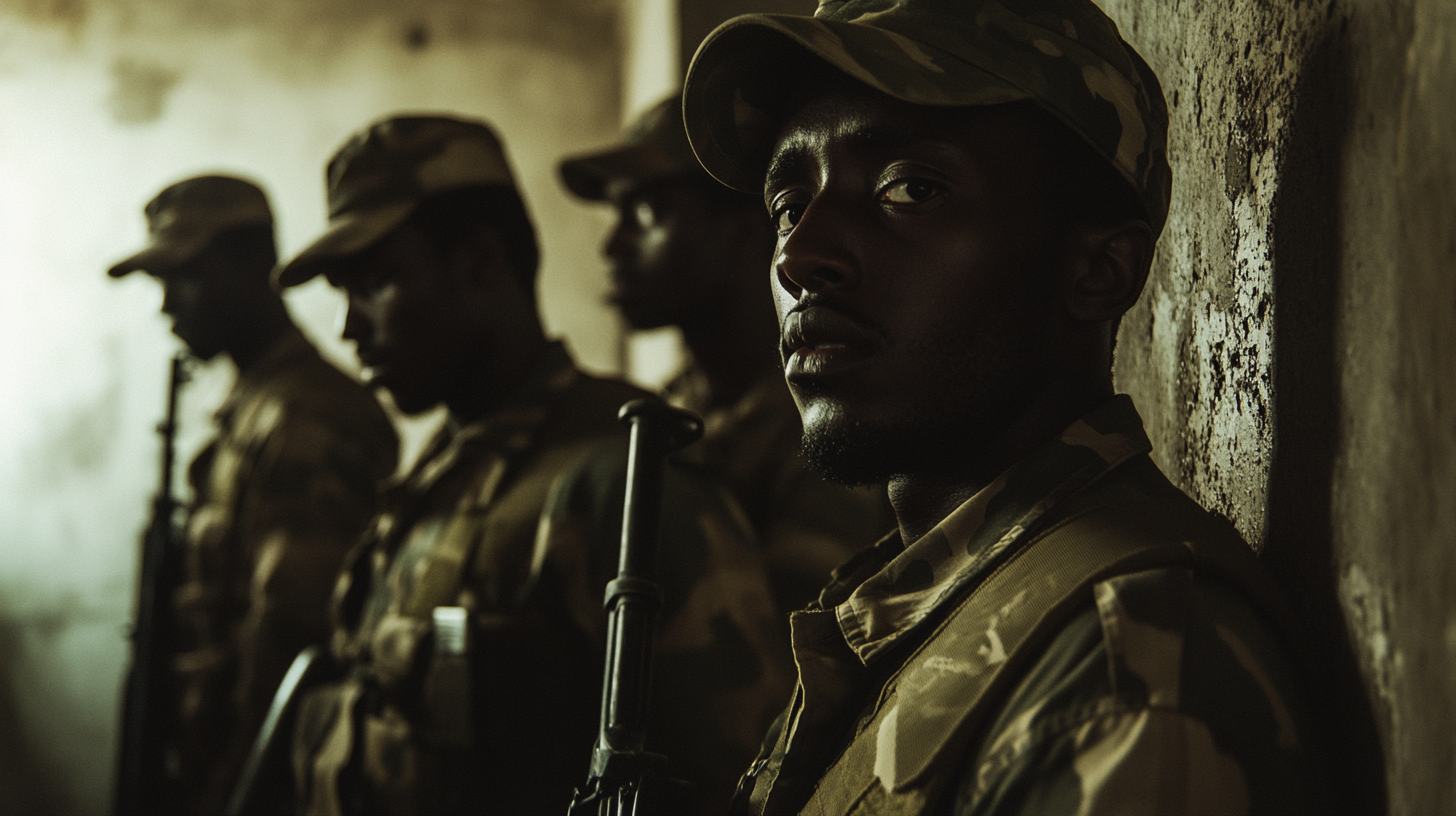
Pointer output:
x,y
618,244
358,325
818,254
169,299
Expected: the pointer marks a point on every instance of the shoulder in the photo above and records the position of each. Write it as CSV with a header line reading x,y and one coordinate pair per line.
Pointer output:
x,y
315,399
1169,689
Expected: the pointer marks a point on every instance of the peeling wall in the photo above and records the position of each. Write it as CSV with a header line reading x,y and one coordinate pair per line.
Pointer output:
x,y
1295,353
103,104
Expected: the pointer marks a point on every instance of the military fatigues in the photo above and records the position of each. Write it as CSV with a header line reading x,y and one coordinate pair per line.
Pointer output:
x,y
509,526
806,526
282,493
1078,637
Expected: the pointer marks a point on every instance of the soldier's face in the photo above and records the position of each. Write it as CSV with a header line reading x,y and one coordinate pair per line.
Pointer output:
x,y
197,297
664,252
915,278
401,319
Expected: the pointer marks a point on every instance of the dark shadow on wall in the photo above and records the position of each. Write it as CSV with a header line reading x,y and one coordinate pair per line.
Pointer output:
x,y
27,785
1307,270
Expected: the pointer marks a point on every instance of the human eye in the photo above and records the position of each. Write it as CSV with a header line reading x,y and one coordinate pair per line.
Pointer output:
x,y
907,191
785,213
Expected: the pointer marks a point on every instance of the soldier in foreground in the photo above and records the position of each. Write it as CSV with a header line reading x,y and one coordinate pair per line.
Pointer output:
x,y
688,252
280,494
470,620
967,197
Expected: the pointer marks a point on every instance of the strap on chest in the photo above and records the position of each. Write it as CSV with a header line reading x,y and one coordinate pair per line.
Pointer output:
x,y
935,703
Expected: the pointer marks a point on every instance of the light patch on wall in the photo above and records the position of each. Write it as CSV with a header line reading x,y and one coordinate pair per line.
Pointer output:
x,y
1367,607
139,90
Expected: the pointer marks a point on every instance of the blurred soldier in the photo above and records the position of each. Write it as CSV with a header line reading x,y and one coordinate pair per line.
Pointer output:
x,y
967,197
281,493
470,621
692,253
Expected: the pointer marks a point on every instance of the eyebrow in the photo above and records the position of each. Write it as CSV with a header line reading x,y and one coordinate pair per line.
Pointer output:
x,y
793,160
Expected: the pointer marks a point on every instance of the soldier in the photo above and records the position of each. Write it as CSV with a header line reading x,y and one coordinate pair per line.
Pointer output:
x,y
280,494
470,621
689,252
967,197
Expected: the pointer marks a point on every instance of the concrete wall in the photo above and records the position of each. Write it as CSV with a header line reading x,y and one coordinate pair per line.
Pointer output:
x,y
1295,354
103,104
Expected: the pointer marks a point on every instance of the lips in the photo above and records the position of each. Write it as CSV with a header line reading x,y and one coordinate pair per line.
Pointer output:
x,y
820,341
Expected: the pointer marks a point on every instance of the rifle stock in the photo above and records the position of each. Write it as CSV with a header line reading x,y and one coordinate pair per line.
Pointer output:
x,y
625,778
142,777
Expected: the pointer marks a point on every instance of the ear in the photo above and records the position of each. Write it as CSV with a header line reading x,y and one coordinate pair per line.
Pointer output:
x,y
480,260
1108,270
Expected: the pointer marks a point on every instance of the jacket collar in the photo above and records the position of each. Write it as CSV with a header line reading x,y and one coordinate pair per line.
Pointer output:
x,y
964,546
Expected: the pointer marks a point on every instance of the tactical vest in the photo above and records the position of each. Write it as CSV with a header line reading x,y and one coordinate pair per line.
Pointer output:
x,y
909,744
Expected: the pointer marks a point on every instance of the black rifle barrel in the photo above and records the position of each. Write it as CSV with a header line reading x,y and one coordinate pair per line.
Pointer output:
x,y
141,764
619,761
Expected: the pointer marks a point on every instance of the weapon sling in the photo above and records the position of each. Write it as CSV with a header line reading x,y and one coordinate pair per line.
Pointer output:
x,y
625,778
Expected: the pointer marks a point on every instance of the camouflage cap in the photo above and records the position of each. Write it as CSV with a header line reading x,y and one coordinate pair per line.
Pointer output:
x,y
186,216
1065,55
654,147
381,174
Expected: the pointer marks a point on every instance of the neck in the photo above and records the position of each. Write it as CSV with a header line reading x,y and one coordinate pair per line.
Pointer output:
x,y
264,328
495,378
953,474
734,345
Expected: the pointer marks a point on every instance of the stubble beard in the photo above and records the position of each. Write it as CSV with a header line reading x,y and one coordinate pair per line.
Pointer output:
x,y
942,427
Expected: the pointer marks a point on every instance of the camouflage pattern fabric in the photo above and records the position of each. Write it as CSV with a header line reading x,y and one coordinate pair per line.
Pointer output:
x,y
1167,693
1065,55
281,494
654,147
806,526
514,520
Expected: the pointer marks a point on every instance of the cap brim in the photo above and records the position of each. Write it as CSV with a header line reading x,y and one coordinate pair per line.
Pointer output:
x,y
588,176
347,235
742,64
157,259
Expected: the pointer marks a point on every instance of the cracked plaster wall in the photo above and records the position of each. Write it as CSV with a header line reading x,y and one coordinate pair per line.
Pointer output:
x,y
1295,353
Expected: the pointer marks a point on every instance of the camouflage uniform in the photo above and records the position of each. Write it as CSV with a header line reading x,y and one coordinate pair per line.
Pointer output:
x,y
279,496
806,526
1158,690
282,493
1079,636
470,625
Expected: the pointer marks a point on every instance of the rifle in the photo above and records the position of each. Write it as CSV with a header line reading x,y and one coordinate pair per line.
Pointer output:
x,y
142,776
623,775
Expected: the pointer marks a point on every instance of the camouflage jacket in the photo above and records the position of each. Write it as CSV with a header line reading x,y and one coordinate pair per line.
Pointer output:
x,y
1163,691
280,495
806,525
471,627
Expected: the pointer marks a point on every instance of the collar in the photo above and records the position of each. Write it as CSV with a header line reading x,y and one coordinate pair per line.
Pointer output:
x,y
508,430
962,548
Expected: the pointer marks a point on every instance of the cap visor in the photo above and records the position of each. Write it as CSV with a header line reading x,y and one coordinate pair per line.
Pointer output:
x,y
347,235
744,67
588,176
156,259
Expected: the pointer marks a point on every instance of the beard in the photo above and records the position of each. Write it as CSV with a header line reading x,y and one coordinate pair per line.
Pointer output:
x,y
956,416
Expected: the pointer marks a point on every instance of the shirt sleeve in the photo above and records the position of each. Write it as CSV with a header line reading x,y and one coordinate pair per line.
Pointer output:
x,y
310,492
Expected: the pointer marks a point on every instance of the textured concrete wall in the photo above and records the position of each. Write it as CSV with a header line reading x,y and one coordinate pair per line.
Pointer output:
x,y
1295,353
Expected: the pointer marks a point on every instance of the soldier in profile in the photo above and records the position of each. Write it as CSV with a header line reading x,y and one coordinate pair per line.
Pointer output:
x,y
280,494
470,621
689,252
967,198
